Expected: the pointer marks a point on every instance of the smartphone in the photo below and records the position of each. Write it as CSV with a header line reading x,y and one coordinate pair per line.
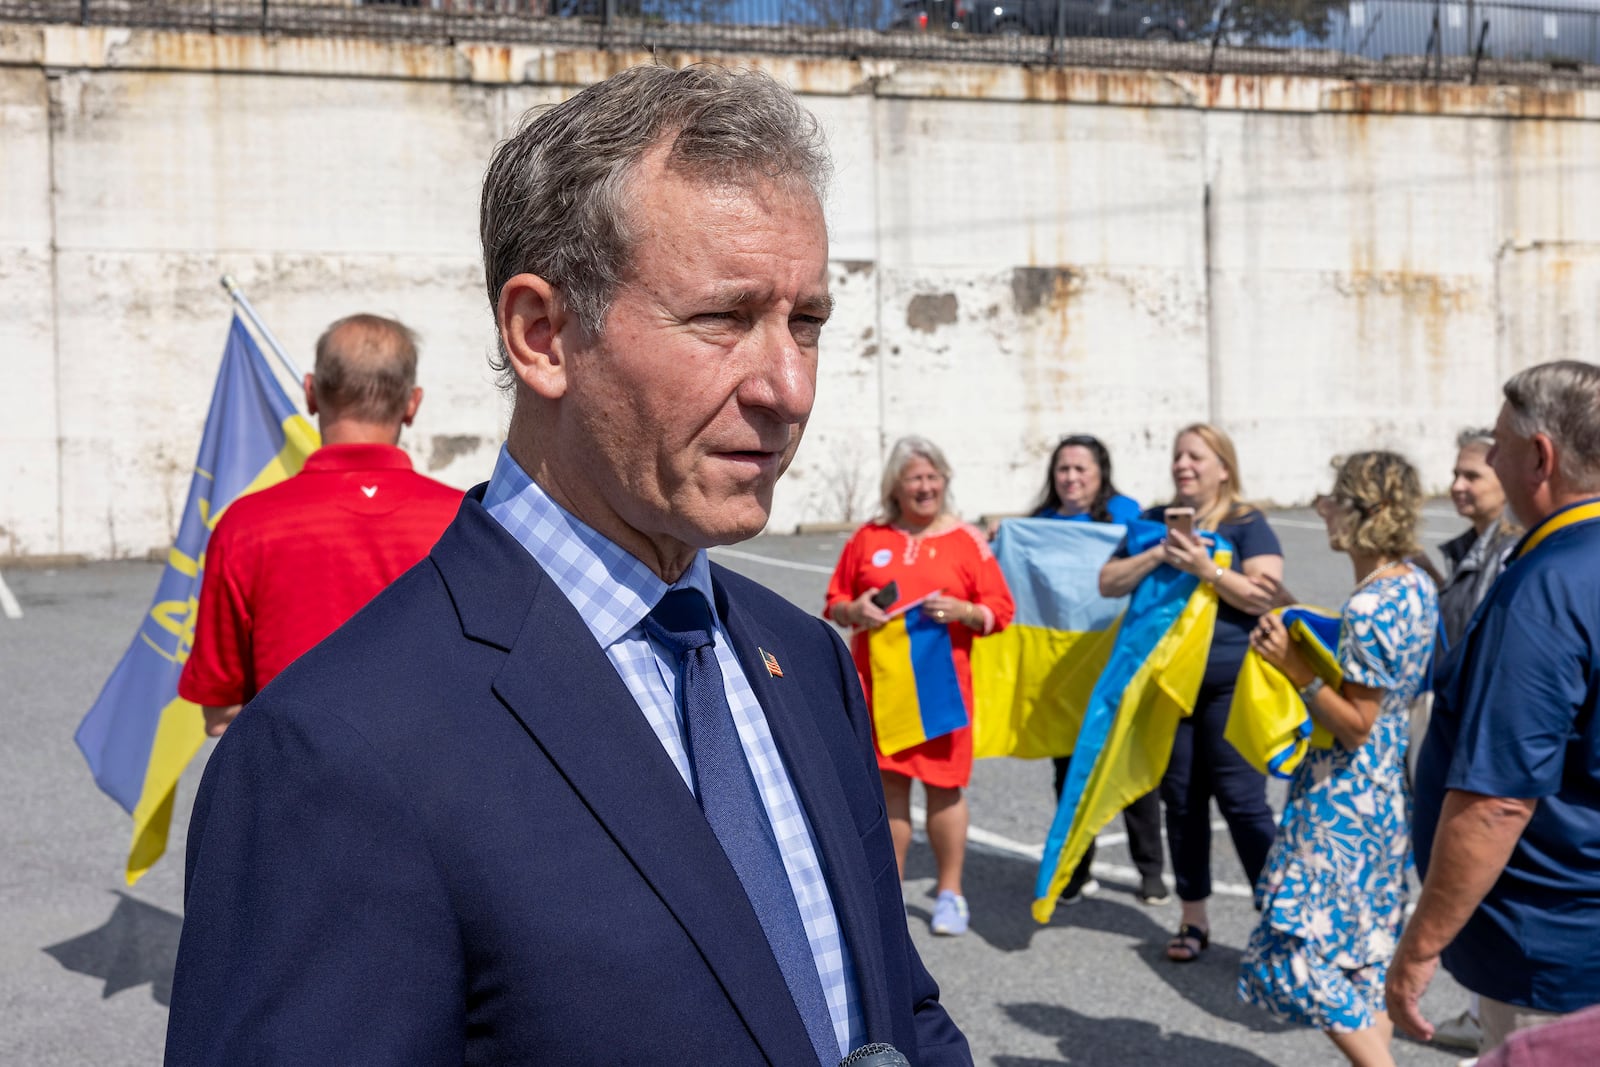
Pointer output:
x,y
886,596
1181,519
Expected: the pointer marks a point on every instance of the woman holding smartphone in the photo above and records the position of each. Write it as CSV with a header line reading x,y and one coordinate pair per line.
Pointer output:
x,y
1078,488
918,551
1207,496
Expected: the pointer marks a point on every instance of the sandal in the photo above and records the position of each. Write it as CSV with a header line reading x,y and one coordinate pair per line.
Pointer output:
x,y
1190,941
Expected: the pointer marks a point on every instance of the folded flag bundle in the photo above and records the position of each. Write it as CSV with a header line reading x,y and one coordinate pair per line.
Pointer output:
x,y
1268,722
1031,681
1149,683
916,695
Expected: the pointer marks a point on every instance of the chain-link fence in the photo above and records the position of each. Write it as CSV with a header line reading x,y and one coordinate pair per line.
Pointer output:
x,y
1462,40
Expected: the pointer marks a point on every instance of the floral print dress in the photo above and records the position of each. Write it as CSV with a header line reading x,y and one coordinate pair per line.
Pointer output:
x,y
1333,894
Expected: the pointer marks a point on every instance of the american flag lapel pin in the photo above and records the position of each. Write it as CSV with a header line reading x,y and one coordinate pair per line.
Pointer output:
x,y
771,661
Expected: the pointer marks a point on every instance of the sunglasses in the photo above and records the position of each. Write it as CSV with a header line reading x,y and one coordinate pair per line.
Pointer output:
x,y
1326,504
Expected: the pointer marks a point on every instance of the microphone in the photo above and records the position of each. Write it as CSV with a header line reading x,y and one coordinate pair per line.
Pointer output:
x,y
876,1054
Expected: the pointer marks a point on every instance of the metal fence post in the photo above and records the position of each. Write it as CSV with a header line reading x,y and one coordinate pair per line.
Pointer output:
x,y
83,12
1477,54
1216,37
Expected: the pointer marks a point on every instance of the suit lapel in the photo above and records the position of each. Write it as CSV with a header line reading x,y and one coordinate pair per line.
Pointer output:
x,y
560,685
793,722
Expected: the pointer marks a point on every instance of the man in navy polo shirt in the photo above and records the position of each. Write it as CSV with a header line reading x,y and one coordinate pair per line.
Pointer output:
x,y
1508,781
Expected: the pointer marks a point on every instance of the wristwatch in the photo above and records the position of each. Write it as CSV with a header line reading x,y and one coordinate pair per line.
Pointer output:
x,y
1308,692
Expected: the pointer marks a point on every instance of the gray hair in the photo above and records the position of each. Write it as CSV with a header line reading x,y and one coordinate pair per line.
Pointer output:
x,y
1562,401
1475,437
557,194
900,456
366,368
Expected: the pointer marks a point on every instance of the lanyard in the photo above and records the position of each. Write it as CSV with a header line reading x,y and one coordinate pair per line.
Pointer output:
x,y
1559,521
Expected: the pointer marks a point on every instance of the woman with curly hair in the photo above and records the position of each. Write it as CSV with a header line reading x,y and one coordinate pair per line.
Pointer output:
x,y
1333,895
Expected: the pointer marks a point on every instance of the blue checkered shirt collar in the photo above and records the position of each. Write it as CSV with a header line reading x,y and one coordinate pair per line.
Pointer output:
x,y
612,589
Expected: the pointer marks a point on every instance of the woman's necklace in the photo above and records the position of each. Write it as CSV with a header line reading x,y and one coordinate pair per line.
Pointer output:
x,y
1379,569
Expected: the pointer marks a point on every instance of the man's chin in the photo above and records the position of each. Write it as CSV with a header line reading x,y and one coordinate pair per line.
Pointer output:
x,y
733,520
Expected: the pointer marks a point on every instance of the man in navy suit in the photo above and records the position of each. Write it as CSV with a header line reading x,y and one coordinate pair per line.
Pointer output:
x,y
566,793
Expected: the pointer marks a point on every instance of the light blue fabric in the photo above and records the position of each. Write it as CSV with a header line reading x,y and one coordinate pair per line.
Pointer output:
x,y
1333,893
1053,571
613,592
1122,509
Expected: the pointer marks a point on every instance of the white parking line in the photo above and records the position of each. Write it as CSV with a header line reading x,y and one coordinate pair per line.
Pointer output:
x,y
1111,872
1428,534
785,564
8,603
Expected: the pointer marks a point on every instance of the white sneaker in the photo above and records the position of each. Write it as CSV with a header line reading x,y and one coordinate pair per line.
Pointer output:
x,y
1089,888
950,915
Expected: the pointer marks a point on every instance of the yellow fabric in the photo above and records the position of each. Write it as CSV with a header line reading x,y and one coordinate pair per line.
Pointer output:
x,y
180,732
1139,745
1030,686
896,714
179,736
1559,521
1266,716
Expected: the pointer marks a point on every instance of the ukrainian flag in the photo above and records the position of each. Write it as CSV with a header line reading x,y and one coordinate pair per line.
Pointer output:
x,y
139,735
1031,681
1150,681
916,695
1268,722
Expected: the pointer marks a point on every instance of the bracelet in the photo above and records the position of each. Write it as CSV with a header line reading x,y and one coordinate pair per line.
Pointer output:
x,y
1308,692
1217,576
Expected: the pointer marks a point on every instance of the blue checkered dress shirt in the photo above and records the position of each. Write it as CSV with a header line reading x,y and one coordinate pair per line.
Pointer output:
x,y
613,592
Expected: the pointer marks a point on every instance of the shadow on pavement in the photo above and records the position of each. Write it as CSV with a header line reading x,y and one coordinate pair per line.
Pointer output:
x,y
1208,982
137,944
1083,1039
998,887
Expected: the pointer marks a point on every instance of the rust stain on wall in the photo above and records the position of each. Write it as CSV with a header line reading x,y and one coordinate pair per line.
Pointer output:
x,y
1440,98
1036,287
71,47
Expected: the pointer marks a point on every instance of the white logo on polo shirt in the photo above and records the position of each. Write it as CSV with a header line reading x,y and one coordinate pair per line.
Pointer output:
x,y
370,490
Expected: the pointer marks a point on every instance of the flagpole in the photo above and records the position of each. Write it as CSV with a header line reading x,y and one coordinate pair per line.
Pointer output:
x,y
243,303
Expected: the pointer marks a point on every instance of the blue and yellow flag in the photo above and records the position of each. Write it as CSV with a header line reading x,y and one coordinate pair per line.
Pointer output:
x,y
1031,682
1150,681
139,735
1267,721
916,696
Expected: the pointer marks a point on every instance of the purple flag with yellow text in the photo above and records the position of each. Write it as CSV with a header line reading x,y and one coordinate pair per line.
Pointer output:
x,y
139,735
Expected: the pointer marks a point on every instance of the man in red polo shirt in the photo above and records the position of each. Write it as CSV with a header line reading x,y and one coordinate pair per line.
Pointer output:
x,y
286,566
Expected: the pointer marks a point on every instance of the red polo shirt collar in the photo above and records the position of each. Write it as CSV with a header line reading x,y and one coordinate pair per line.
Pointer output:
x,y
362,457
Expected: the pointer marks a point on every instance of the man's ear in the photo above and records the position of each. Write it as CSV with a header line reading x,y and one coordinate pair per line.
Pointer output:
x,y
310,384
412,405
1545,449
531,315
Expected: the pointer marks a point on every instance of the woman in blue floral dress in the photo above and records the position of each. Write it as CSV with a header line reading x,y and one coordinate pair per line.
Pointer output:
x,y
1333,894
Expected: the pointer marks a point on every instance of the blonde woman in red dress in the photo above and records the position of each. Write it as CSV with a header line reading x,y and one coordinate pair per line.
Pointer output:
x,y
921,547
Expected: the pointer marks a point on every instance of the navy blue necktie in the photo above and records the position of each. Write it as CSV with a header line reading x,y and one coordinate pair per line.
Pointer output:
x,y
732,805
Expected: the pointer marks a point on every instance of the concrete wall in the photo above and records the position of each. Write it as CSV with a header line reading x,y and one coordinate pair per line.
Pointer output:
x,y
1319,266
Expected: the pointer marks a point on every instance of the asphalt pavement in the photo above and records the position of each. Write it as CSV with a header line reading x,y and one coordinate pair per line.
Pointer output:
x,y
86,962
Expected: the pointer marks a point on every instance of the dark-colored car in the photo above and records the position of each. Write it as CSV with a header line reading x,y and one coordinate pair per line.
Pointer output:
x,y
1144,19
